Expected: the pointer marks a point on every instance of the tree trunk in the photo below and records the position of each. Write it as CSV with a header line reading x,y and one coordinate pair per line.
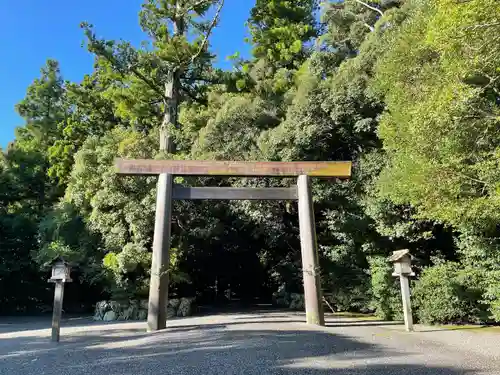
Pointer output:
x,y
158,289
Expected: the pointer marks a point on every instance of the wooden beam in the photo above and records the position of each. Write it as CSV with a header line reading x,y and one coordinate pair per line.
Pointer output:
x,y
340,169
232,193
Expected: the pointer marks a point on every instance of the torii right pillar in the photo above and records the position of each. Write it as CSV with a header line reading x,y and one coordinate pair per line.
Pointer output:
x,y
309,249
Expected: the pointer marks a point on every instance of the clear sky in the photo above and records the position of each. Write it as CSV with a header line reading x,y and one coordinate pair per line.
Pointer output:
x,y
31,31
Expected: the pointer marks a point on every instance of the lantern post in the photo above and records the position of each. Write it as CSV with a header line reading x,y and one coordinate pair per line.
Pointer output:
x,y
61,274
402,268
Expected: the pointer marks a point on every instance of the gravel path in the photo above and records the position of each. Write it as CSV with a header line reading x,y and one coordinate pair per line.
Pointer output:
x,y
246,343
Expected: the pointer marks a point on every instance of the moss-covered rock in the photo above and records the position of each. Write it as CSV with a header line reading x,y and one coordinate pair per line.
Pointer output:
x,y
138,310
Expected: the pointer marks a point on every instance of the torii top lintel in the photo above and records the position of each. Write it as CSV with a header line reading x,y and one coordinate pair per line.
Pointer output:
x,y
339,169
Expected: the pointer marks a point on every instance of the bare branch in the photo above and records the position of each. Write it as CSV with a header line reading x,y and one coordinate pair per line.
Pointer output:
x,y
331,308
147,81
214,81
111,59
372,29
354,14
369,7
194,97
99,48
471,178
203,44
482,26
194,6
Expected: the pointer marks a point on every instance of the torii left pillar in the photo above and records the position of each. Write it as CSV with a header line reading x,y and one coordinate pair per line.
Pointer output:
x,y
158,287
309,250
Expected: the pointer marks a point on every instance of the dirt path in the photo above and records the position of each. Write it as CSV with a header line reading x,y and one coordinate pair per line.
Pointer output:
x,y
245,343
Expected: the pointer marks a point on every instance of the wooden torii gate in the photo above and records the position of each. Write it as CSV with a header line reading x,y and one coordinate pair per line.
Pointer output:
x,y
158,293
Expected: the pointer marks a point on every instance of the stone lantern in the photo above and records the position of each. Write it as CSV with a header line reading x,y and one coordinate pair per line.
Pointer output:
x,y
61,274
61,271
402,263
402,269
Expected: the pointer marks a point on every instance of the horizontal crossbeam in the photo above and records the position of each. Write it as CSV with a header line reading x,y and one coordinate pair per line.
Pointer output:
x,y
341,169
232,193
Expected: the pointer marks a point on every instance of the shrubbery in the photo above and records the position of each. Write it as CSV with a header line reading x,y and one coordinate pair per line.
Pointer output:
x,y
386,300
450,293
492,294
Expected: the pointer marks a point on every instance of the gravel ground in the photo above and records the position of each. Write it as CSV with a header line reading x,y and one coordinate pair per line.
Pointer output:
x,y
245,343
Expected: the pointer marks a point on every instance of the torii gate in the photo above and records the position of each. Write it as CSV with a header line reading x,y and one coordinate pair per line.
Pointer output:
x,y
158,293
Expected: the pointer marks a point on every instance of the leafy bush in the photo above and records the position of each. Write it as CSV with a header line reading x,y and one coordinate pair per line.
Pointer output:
x,y
346,285
448,293
386,299
492,294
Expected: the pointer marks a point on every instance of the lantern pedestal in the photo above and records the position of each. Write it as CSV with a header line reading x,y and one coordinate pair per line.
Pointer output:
x,y
61,272
57,311
405,294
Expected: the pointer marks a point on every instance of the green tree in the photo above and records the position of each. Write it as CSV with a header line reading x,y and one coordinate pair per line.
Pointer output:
x,y
172,72
280,30
442,99
407,90
445,85
23,287
96,108
43,109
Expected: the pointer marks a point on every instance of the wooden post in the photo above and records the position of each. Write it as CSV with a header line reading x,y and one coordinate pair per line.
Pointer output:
x,y
309,249
158,287
405,294
57,311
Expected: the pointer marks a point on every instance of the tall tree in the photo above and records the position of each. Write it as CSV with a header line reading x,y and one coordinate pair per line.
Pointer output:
x,y
171,69
440,135
21,186
96,108
447,85
43,109
27,192
280,30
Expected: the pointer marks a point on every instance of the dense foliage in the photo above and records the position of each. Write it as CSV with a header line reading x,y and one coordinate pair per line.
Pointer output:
x,y
409,90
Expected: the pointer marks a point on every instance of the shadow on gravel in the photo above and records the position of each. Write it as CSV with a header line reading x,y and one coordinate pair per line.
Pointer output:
x,y
347,321
462,328
370,323
381,370
205,350
19,324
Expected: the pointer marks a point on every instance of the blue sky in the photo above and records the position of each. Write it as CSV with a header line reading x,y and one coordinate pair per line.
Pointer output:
x,y
31,31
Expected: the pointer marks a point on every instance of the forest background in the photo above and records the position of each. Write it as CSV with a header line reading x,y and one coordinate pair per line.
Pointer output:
x,y
408,90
